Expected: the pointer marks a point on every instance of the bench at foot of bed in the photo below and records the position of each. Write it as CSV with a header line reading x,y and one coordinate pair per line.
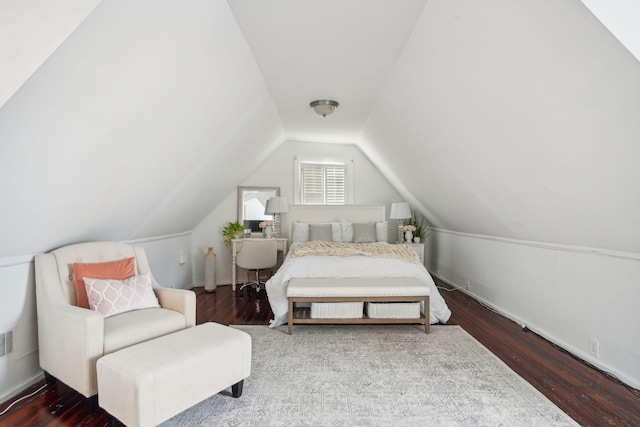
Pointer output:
x,y
374,290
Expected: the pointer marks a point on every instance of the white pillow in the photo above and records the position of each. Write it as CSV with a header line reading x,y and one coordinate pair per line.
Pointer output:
x,y
111,297
336,231
347,232
300,232
382,233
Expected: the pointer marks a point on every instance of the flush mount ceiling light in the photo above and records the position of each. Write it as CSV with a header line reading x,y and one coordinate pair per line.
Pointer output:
x,y
324,107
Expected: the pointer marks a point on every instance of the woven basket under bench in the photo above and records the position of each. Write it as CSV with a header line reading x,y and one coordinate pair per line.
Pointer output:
x,y
328,295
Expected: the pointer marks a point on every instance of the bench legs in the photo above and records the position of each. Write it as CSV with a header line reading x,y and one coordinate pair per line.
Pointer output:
x,y
427,316
290,316
236,389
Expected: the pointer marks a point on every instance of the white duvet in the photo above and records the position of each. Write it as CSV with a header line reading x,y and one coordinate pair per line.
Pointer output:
x,y
313,267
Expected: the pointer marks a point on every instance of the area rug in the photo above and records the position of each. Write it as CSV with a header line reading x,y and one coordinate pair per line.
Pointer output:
x,y
374,375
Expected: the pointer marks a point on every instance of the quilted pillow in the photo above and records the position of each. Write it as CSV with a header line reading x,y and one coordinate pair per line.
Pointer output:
x,y
118,270
111,297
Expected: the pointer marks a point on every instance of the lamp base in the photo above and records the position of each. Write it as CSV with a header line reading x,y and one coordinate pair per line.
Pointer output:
x,y
276,225
400,234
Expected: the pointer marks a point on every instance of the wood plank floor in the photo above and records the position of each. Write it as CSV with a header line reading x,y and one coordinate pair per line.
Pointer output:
x,y
591,397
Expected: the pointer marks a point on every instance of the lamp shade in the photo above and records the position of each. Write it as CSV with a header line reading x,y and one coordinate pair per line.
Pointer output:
x,y
400,211
266,207
276,205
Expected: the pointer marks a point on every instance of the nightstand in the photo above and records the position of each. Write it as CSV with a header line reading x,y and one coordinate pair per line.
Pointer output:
x,y
419,248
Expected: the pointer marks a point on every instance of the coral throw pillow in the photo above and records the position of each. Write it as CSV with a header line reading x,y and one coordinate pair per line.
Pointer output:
x,y
118,270
111,297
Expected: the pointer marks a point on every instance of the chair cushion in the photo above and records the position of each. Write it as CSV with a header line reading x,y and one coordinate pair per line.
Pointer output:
x,y
133,327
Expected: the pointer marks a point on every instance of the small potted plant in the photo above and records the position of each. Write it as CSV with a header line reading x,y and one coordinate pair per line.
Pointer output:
x,y
232,231
421,229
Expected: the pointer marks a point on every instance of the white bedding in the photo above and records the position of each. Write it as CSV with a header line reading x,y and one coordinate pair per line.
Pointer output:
x,y
313,267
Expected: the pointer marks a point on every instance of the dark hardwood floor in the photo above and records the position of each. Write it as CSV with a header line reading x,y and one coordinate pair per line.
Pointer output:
x,y
591,397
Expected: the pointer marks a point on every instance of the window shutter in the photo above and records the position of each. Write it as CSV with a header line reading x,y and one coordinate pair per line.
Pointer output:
x,y
334,184
323,184
312,184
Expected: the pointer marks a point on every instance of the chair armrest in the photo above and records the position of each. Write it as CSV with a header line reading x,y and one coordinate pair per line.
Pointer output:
x,y
64,329
180,300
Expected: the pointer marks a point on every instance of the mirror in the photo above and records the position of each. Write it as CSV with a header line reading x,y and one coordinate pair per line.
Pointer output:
x,y
251,204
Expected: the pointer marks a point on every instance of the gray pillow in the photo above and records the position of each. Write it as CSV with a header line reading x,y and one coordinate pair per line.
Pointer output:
x,y
320,232
364,233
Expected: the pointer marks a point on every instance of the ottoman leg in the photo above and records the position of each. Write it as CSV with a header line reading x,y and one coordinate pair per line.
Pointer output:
x,y
236,389
50,379
92,404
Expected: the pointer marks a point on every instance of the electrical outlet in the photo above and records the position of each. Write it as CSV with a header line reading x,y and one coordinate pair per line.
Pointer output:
x,y
594,347
467,284
182,257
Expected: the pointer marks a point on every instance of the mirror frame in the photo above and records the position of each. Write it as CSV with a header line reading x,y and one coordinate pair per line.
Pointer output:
x,y
242,190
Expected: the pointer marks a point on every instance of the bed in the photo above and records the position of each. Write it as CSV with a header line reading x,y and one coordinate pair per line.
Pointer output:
x,y
345,225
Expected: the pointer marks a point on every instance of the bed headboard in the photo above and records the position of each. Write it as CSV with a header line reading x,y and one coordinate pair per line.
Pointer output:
x,y
331,213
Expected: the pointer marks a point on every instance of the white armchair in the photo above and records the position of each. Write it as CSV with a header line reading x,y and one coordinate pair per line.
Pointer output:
x,y
72,339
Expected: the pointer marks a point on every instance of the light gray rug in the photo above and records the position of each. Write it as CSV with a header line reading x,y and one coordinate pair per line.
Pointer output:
x,y
370,375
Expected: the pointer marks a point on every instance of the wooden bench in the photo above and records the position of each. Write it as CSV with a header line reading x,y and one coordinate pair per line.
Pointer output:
x,y
357,290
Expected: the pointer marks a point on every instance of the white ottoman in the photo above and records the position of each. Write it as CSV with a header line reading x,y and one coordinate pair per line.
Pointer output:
x,y
150,382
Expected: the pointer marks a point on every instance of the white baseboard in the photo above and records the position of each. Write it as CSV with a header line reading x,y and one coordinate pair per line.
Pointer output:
x,y
575,352
8,395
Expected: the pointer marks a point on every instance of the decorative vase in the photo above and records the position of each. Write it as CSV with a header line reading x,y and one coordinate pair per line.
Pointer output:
x,y
416,239
268,232
210,271
408,235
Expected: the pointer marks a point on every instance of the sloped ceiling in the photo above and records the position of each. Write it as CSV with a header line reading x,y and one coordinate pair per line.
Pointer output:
x,y
135,127
30,31
513,119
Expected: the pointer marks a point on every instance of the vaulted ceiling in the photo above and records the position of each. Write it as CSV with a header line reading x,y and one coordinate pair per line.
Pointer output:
x,y
511,119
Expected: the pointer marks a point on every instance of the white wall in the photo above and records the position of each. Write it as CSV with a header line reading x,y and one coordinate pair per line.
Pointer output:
x,y
370,187
18,305
164,259
135,127
566,294
18,314
519,121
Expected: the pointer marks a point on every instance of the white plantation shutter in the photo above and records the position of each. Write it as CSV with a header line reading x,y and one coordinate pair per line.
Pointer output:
x,y
323,184
312,184
334,184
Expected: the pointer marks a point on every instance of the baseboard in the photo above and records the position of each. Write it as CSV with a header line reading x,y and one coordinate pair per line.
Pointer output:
x,y
552,339
19,389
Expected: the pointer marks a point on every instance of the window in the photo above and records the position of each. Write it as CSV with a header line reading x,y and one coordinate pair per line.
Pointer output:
x,y
322,183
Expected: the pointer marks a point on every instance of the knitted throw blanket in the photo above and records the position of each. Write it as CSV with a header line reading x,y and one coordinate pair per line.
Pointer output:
x,y
374,250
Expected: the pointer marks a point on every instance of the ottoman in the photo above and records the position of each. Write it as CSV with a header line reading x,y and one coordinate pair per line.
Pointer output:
x,y
148,383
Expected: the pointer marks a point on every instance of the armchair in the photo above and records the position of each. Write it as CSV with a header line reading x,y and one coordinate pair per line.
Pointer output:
x,y
72,339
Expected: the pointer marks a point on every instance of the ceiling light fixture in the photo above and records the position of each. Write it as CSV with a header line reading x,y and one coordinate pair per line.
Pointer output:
x,y
324,107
